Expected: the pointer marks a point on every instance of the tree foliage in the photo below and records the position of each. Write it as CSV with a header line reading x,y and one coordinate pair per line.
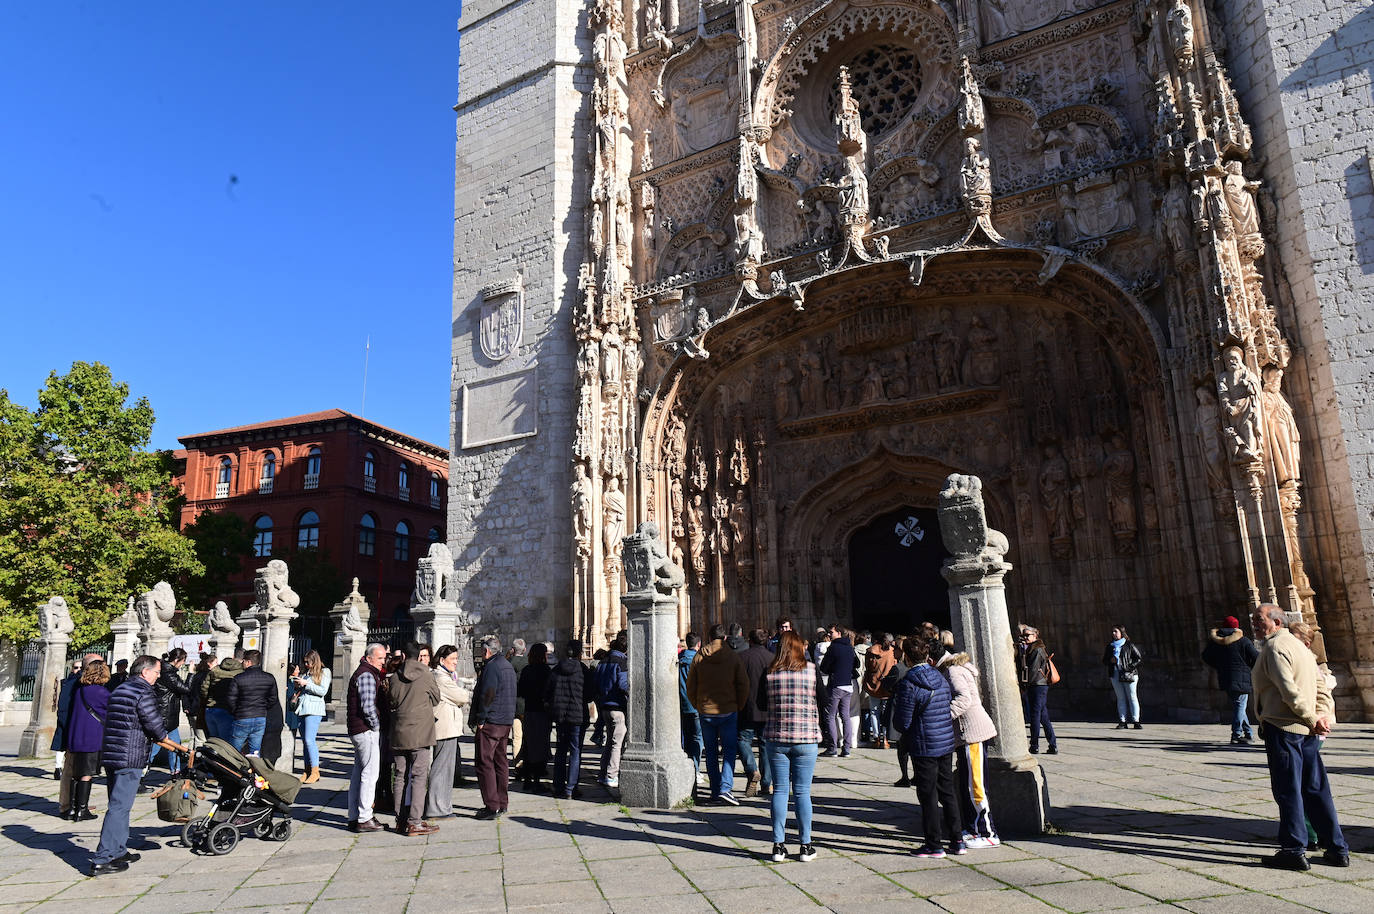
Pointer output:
x,y
317,581
223,541
86,511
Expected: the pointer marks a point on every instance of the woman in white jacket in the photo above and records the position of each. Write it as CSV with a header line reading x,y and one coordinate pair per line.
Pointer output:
x,y
974,727
448,726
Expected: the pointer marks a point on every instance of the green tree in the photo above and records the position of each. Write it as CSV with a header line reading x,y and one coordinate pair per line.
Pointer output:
x,y
86,511
317,581
222,542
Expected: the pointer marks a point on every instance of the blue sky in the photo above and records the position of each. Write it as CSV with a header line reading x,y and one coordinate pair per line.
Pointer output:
x,y
223,201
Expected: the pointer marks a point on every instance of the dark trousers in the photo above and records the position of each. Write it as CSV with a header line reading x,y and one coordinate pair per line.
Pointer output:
x,y
411,785
691,738
934,779
839,721
1298,779
567,761
535,752
493,769
114,829
744,743
1040,716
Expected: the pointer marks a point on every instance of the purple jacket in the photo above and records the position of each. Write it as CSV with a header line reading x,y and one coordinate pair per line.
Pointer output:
x,y
86,727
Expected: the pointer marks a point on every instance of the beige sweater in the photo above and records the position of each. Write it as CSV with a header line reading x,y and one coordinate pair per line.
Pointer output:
x,y
1290,693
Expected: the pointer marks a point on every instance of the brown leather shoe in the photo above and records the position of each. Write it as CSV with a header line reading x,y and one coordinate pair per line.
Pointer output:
x,y
369,825
420,829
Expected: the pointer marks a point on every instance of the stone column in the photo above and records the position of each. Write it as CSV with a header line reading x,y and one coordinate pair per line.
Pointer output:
x,y
55,630
351,616
654,771
276,605
126,640
978,607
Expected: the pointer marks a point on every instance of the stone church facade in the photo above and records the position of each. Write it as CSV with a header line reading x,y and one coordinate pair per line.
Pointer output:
x,y
765,273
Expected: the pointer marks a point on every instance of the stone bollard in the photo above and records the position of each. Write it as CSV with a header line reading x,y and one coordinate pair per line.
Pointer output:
x,y
978,607
654,771
55,630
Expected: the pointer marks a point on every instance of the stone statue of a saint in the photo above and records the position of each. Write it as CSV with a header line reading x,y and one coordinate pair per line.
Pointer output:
x,y
742,526
677,503
1238,393
975,177
871,389
983,367
55,620
812,380
1281,429
1118,469
971,119
611,346
1209,431
1177,220
613,514
1180,26
1054,495
1240,200
222,624
582,509
696,537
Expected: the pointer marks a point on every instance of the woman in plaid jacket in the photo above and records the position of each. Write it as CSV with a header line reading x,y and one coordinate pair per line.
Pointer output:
x,y
788,693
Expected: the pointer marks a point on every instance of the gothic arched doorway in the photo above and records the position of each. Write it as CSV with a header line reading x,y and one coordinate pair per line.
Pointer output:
x,y
894,572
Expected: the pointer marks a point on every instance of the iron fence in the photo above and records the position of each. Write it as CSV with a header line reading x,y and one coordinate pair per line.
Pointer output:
x,y
31,653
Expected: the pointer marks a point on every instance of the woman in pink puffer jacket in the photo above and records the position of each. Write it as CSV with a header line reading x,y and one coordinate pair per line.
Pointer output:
x,y
974,727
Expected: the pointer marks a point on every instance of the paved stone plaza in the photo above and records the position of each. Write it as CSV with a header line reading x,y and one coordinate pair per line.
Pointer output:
x,y
1163,819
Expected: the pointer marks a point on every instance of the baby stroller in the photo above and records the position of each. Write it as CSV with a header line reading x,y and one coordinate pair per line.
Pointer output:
x,y
251,795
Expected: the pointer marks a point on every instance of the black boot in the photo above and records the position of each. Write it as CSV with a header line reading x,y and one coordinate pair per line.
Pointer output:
x,y
81,802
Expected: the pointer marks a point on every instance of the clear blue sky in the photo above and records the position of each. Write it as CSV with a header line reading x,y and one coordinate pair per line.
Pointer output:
x,y
223,201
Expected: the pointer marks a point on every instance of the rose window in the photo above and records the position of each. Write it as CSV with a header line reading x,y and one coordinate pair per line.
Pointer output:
x,y
885,81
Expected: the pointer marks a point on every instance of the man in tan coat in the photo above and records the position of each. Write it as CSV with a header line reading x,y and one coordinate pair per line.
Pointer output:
x,y
1294,707
413,693
718,687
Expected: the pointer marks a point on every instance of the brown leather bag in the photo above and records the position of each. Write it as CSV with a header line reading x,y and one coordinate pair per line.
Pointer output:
x,y
1054,671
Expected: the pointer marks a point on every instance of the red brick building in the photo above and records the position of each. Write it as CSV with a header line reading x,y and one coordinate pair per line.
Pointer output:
x,y
372,498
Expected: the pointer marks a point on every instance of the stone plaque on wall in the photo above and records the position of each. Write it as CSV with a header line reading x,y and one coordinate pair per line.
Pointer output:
x,y
500,409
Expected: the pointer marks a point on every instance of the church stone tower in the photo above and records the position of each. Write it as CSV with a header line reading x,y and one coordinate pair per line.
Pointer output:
x,y
520,188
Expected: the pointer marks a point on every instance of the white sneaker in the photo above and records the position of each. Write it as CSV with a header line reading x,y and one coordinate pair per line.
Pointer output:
x,y
703,780
612,782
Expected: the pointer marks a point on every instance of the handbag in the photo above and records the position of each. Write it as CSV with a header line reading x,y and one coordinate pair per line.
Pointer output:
x,y
177,799
1054,670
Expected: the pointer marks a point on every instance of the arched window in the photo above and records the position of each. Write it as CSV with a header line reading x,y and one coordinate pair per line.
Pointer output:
x,y
225,477
269,473
262,537
308,531
369,472
367,535
402,541
434,534
403,482
434,490
312,469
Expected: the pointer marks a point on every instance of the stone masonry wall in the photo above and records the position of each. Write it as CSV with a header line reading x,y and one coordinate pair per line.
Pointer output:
x,y
520,173
1303,74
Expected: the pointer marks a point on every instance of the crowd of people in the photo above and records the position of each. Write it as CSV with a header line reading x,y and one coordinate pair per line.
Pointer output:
x,y
772,702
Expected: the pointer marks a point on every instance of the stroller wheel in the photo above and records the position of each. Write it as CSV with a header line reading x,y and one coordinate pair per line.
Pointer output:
x,y
263,829
194,832
282,830
222,839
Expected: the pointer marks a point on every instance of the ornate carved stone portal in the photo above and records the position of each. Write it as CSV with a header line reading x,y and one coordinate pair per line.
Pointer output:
x,y
837,251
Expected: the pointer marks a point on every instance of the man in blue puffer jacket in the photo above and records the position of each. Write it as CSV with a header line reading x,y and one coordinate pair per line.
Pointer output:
x,y
921,712
132,723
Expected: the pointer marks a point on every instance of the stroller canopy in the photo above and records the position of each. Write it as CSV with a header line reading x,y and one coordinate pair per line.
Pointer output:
x,y
280,783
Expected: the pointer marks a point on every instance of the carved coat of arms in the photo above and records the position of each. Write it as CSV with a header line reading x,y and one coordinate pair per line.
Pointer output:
x,y
502,322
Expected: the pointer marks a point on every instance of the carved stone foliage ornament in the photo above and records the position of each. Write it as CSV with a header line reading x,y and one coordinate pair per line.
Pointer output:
x,y
502,321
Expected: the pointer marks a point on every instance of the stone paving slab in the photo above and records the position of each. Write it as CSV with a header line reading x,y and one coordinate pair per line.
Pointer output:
x,y
1171,818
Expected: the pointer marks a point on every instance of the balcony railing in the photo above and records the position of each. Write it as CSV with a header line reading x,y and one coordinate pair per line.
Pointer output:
x,y
369,483
312,481
221,490
403,493
265,486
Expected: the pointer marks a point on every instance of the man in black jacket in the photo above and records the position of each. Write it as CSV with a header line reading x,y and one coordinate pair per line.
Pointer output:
x,y
493,713
252,698
566,696
841,665
756,659
132,722
1232,655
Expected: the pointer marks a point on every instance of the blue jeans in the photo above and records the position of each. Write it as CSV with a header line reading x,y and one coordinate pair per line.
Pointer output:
x,y
219,723
248,733
114,830
567,760
744,748
1297,777
173,760
877,718
691,738
1040,716
792,765
1240,723
1127,705
310,727
720,733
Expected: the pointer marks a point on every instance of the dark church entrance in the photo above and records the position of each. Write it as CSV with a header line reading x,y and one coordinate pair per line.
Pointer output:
x,y
894,573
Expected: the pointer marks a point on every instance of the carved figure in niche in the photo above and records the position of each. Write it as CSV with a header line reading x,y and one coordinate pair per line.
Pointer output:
x,y
975,177
677,503
596,232
872,387
1118,470
995,19
1068,208
632,366
920,362
612,442
1180,26
582,510
720,514
611,347
1125,202
1149,508
587,360
852,383
1174,214
742,527
613,512
1281,429
853,194
582,442
849,132
1209,431
946,345
983,368
785,402
1025,517
1240,200
971,118
739,455
1054,498
675,444
1238,393
897,384
812,379
696,538
699,471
